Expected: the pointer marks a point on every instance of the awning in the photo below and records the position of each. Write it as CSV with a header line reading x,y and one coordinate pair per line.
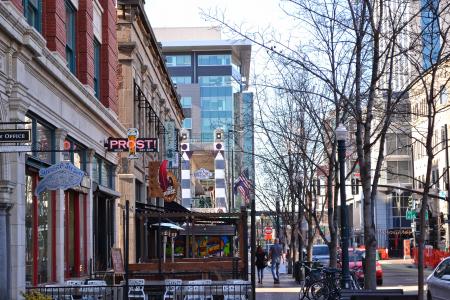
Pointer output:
x,y
105,190
167,225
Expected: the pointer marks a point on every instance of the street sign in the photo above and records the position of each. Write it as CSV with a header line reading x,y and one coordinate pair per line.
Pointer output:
x,y
411,214
12,149
15,135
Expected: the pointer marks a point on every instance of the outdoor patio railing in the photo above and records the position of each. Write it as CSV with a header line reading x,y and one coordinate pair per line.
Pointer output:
x,y
183,290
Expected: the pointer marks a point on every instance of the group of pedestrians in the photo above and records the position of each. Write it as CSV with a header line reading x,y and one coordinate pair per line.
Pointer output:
x,y
274,256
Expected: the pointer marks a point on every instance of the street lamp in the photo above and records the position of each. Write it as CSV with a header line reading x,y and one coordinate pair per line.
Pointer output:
x,y
341,136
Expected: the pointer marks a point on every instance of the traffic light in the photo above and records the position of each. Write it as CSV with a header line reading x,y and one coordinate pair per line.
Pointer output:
x,y
355,186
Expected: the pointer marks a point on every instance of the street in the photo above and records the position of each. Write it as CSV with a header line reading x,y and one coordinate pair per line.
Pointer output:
x,y
397,273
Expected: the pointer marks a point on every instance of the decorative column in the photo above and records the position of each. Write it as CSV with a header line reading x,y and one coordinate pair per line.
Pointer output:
x,y
60,136
18,107
90,209
6,188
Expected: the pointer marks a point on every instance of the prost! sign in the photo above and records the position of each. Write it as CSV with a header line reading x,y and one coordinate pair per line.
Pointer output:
x,y
140,144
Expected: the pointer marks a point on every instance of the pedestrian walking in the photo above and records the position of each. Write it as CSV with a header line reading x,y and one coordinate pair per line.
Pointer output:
x,y
261,262
276,252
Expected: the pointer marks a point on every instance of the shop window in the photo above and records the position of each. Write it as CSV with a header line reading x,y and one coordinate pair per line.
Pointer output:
x,y
33,13
102,172
75,154
70,37
75,240
42,140
38,236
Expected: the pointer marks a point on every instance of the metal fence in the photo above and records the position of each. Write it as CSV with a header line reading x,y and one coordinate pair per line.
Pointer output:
x,y
175,289
85,292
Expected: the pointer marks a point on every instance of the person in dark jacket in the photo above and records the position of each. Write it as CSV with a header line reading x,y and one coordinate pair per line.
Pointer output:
x,y
261,262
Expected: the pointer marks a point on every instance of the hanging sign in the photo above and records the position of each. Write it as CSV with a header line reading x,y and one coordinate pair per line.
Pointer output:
x,y
15,135
132,144
202,174
132,135
172,186
63,175
153,182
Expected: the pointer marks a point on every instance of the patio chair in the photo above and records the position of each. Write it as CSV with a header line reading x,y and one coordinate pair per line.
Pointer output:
x,y
95,291
136,289
71,283
196,290
234,290
172,287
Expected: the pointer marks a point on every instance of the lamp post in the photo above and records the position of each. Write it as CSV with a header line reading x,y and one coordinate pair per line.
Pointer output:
x,y
341,136
173,235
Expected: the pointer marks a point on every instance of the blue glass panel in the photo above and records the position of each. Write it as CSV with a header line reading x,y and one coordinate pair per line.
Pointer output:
x,y
430,32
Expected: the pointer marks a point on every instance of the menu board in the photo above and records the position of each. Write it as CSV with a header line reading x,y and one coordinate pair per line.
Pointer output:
x,y
117,261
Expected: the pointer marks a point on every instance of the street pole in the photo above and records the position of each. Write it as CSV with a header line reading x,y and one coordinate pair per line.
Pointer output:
x,y
300,237
252,240
448,186
232,178
127,240
277,218
341,136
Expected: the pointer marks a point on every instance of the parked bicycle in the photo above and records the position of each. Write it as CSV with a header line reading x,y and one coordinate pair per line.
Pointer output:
x,y
324,283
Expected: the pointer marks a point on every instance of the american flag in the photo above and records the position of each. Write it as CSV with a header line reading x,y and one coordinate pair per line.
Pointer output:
x,y
243,185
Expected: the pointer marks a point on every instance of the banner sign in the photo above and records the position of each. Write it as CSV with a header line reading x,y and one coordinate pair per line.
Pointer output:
x,y
15,135
170,142
202,174
153,182
171,192
123,144
9,149
63,175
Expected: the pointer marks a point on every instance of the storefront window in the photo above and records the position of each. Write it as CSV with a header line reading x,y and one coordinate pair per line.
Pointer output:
x,y
103,172
38,237
42,140
74,234
75,153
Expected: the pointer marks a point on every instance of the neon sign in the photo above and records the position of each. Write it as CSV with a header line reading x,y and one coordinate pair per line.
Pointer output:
x,y
125,144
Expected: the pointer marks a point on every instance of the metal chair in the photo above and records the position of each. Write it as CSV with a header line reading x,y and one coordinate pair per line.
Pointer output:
x,y
96,290
196,290
136,289
172,287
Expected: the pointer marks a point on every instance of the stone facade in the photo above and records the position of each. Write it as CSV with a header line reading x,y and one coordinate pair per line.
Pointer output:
x,y
36,84
147,101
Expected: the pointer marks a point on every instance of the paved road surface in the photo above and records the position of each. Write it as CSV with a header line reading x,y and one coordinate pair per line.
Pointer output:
x,y
397,274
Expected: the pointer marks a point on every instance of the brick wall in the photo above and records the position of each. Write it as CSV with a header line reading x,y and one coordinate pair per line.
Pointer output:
x,y
54,25
85,42
109,56
18,4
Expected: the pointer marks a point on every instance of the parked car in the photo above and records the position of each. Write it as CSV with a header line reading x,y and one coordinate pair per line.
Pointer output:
x,y
321,253
439,282
356,257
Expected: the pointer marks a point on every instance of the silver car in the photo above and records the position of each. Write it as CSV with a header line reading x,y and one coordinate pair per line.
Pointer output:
x,y
321,253
439,282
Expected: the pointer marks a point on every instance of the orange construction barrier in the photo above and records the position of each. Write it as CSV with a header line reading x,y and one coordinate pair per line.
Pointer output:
x,y
432,257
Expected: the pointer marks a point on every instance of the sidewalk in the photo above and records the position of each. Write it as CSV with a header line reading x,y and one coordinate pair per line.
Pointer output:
x,y
287,289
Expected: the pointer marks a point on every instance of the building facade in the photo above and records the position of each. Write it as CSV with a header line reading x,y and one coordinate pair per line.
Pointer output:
x,y
149,102
58,63
211,75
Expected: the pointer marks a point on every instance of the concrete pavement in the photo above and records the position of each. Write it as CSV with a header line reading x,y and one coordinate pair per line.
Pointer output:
x,y
287,289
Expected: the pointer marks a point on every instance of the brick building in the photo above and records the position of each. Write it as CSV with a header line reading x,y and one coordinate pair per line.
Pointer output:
x,y
58,62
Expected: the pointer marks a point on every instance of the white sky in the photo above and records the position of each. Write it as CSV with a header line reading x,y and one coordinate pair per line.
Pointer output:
x,y
186,13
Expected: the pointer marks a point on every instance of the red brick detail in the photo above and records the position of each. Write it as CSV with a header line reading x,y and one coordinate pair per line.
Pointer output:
x,y
109,56
18,4
85,42
54,25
